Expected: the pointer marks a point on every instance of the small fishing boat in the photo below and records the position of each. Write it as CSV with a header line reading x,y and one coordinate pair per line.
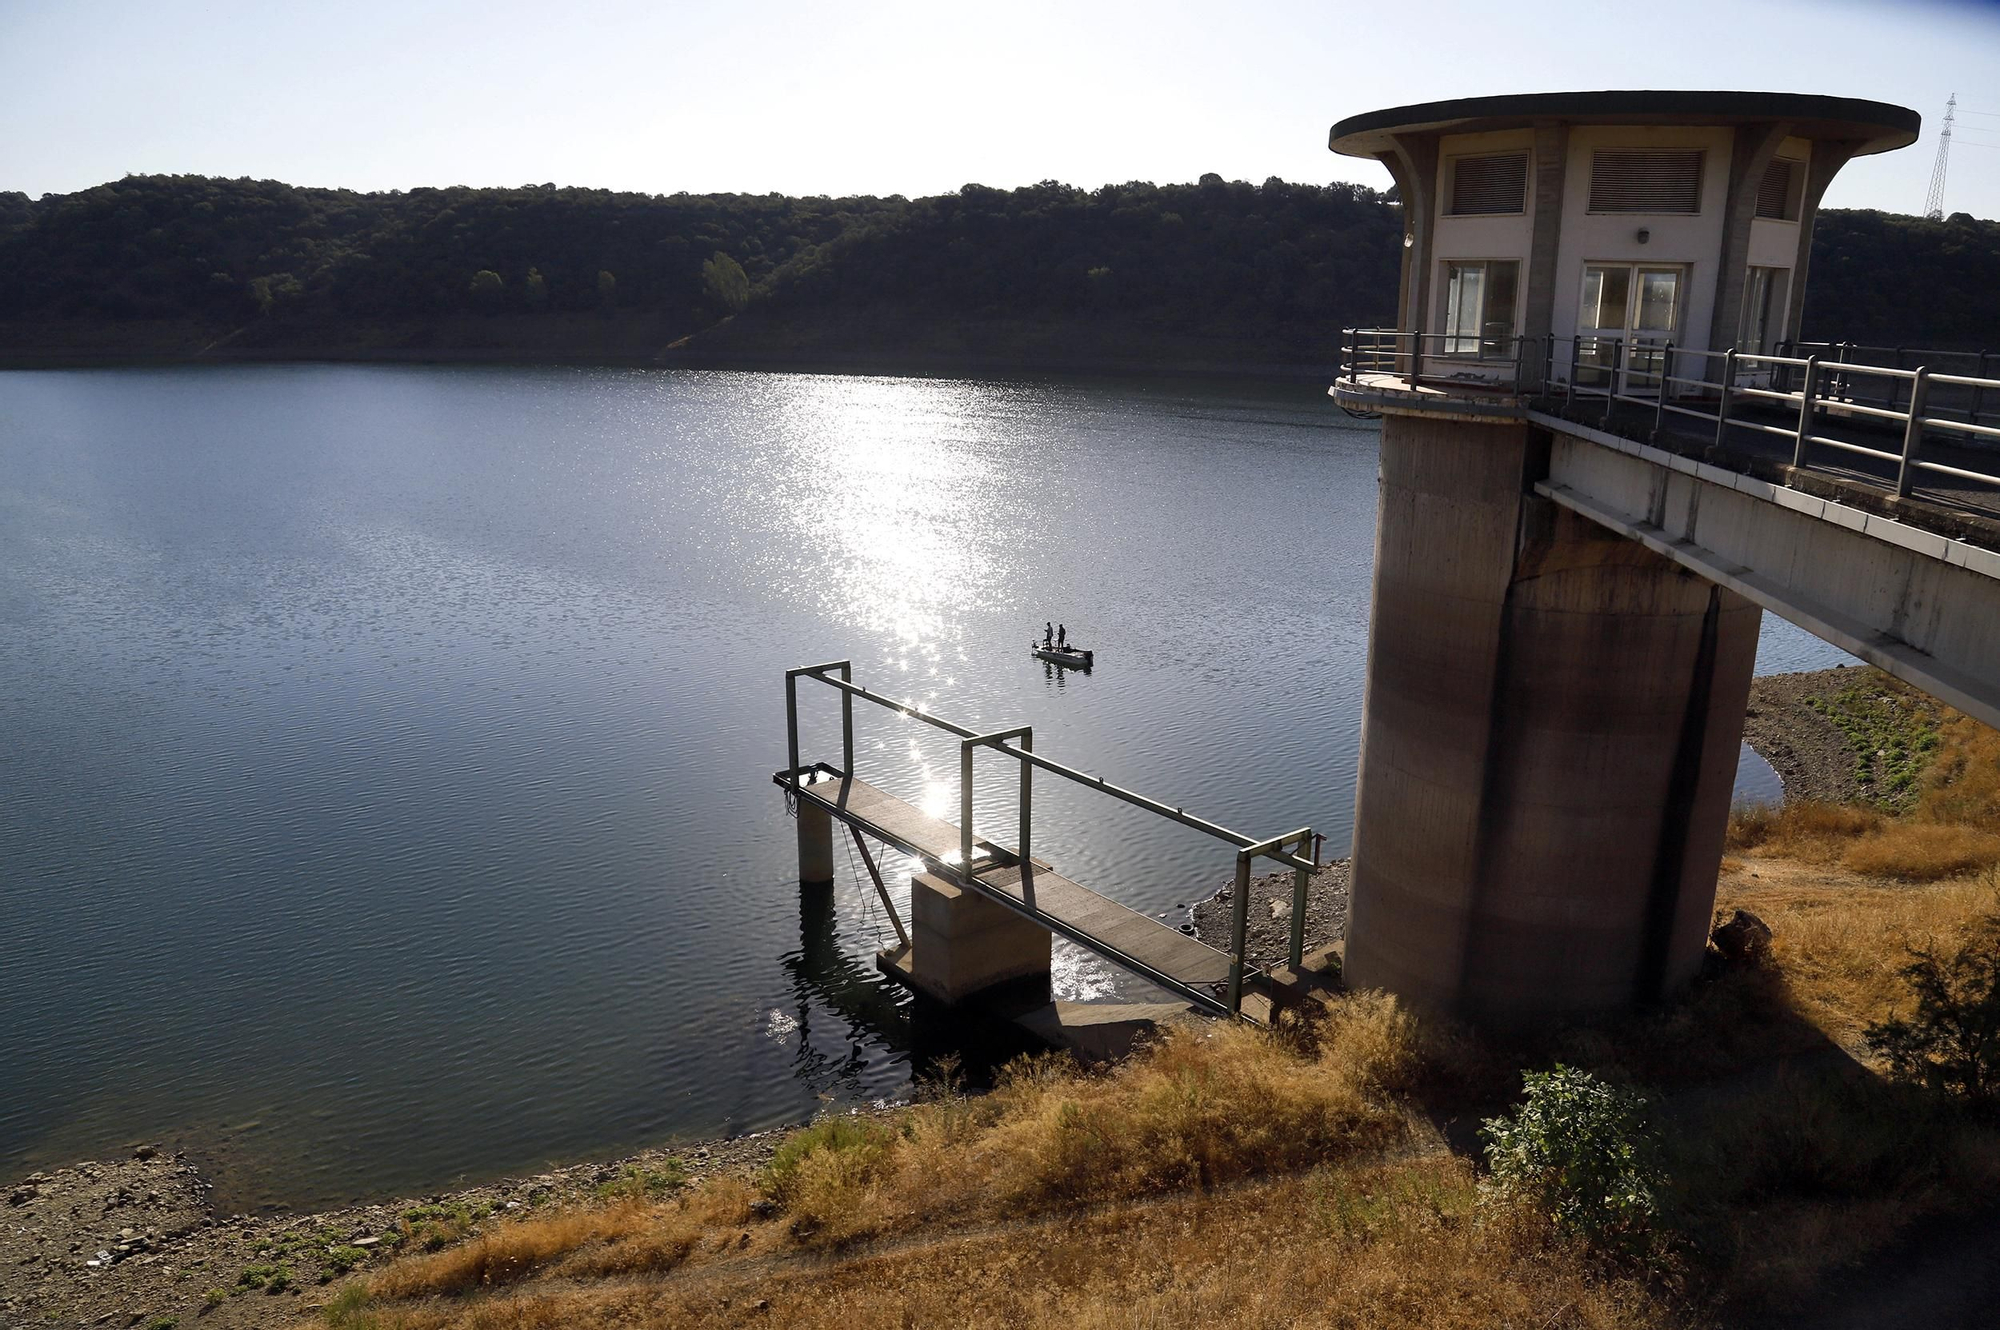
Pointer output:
x,y
1075,658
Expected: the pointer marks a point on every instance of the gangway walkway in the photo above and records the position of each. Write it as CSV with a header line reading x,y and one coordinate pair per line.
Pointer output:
x,y
1214,980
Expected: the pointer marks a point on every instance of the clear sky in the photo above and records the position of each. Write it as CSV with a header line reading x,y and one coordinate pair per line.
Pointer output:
x,y
882,96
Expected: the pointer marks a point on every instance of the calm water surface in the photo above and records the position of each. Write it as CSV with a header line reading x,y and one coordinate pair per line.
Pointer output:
x,y
387,752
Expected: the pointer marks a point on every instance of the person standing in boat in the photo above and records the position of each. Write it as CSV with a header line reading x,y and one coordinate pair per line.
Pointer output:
x,y
1062,637
1048,634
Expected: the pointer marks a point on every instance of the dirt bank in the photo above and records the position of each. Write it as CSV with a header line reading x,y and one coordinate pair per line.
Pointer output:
x,y
1793,722
134,1242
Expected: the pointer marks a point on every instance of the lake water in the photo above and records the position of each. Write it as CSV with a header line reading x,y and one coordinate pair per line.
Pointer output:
x,y
387,752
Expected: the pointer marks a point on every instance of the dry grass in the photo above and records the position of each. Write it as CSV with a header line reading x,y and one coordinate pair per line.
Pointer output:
x,y
1205,1107
1913,849
1962,784
1952,829
1286,1177
1923,851
1840,939
1359,1246
625,1237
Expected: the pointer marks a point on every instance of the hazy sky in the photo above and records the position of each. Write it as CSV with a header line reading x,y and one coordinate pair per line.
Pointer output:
x,y
869,96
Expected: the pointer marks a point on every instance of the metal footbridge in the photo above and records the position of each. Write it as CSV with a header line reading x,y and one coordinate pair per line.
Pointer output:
x,y
1216,981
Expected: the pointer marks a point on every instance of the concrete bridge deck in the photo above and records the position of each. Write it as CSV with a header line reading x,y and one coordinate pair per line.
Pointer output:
x,y
1133,941
1898,566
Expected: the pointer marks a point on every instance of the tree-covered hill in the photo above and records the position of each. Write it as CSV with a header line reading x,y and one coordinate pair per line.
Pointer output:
x,y
1218,272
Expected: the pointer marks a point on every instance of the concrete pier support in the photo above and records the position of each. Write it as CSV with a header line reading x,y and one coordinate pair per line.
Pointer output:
x,y
815,845
963,943
1549,742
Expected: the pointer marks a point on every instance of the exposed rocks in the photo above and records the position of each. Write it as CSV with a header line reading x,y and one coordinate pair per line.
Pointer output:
x,y
1268,932
1744,937
1808,751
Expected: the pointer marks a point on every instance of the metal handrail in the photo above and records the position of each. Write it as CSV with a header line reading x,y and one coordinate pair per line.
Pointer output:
x,y
1248,848
1640,371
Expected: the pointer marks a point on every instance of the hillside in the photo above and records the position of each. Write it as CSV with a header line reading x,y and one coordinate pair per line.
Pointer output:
x,y
1214,274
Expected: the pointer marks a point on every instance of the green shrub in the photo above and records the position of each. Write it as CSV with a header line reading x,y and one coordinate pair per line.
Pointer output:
x,y
645,1183
344,1257
1579,1151
864,1140
1952,1042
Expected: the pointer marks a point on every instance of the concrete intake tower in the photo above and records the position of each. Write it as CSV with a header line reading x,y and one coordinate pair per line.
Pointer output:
x,y
1554,709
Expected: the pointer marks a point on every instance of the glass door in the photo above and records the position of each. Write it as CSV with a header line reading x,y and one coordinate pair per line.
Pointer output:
x,y
1628,313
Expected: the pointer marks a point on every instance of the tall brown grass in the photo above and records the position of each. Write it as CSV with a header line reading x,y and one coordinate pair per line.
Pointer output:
x,y
1206,1106
625,1237
1953,828
1918,848
1406,1244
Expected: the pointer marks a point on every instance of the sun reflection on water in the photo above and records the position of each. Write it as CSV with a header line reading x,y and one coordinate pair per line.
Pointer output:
x,y
884,472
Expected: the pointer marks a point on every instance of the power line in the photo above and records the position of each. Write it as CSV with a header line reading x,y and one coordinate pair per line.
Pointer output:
x,y
1934,201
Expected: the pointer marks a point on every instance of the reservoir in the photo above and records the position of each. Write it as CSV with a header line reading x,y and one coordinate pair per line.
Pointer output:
x,y
386,752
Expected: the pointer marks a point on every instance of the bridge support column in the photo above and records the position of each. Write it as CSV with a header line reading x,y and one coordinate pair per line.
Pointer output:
x,y
1549,742
962,944
815,845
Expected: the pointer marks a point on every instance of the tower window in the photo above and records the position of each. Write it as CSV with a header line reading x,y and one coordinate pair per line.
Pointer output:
x,y
1479,308
1650,180
1764,291
1489,185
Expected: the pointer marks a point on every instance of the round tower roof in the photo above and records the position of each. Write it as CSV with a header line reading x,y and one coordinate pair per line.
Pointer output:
x,y
1875,126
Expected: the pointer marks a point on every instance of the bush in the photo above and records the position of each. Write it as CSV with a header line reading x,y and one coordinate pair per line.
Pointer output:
x,y
640,1183
1952,1043
857,1143
1579,1151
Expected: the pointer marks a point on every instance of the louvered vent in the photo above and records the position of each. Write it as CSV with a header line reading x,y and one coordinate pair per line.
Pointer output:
x,y
1646,180
1774,195
1492,184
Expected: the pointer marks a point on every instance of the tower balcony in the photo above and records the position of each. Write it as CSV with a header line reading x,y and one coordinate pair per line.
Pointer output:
x,y
1917,437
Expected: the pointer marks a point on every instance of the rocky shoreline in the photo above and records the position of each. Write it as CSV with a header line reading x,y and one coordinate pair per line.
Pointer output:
x,y
1268,936
134,1242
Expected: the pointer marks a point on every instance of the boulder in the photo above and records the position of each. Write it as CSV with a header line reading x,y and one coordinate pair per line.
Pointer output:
x,y
1744,937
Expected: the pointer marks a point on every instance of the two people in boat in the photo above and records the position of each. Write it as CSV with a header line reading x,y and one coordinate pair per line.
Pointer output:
x,y
1055,636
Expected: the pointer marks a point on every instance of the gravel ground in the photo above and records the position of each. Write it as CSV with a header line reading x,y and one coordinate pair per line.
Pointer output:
x,y
1270,925
134,1242
1812,754
1807,750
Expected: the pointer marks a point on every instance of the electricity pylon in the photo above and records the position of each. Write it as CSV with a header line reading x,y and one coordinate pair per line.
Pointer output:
x,y
1934,201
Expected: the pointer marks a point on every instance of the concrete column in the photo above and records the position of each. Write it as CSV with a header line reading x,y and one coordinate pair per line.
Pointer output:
x,y
1827,159
1751,150
1549,742
1551,158
815,845
963,943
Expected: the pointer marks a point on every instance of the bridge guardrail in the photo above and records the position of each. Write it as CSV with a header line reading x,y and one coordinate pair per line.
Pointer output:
x,y
1917,403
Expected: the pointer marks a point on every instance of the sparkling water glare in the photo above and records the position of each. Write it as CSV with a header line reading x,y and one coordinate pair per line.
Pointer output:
x,y
387,751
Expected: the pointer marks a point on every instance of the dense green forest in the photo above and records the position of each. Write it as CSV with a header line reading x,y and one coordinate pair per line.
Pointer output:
x,y
1220,272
